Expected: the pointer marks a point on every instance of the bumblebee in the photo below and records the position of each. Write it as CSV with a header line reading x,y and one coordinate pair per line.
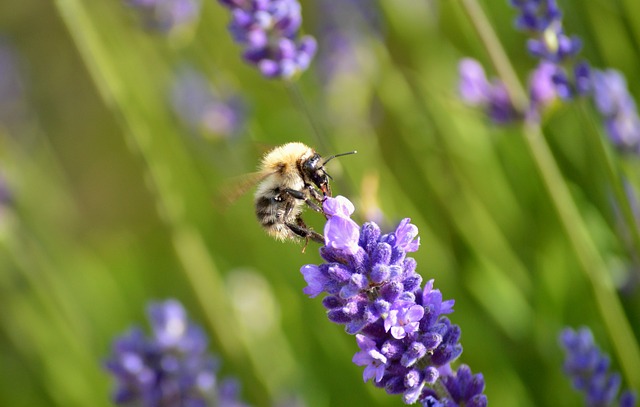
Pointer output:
x,y
291,177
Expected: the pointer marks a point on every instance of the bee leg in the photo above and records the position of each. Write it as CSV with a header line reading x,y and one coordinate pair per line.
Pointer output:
x,y
306,233
302,230
315,194
302,197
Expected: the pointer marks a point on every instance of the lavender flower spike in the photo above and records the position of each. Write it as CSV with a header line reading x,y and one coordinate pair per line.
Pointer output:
x,y
169,369
268,30
406,343
462,389
548,42
476,90
617,107
588,368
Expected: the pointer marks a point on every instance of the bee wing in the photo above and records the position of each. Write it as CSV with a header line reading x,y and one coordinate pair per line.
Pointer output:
x,y
235,187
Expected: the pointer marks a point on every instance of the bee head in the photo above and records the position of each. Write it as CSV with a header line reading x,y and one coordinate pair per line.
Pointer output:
x,y
313,172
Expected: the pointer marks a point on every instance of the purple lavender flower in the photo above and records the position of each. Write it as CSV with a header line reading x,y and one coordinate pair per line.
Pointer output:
x,y
461,388
542,89
617,107
169,369
166,15
476,90
268,30
542,19
202,110
406,343
403,319
588,368
370,357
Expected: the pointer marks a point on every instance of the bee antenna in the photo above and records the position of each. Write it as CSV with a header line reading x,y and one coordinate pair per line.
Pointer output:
x,y
338,155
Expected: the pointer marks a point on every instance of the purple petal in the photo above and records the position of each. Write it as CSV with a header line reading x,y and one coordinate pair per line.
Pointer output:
x,y
342,234
314,278
405,234
473,86
338,206
415,313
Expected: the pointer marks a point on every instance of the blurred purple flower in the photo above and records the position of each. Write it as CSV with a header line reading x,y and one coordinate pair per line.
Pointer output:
x,y
588,369
618,109
542,89
268,30
169,369
373,290
201,110
474,86
542,20
166,15
476,90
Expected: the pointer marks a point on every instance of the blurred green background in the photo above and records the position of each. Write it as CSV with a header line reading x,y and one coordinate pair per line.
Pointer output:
x,y
115,201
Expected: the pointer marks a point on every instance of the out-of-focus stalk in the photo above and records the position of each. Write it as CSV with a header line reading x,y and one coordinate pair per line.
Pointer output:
x,y
613,174
197,263
582,243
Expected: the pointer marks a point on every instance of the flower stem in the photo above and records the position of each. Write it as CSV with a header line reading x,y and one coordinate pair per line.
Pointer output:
x,y
165,162
582,243
496,53
593,265
614,178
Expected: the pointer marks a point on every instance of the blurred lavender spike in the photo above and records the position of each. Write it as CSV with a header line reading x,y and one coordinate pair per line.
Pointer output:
x,y
269,32
618,109
476,90
588,369
542,90
542,20
406,343
172,368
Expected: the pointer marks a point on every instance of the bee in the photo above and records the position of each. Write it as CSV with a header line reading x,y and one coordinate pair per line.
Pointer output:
x,y
289,177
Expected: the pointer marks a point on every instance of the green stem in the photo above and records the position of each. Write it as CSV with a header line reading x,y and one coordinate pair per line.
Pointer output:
x,y
593,265
614,178
165,163
591,261
497,55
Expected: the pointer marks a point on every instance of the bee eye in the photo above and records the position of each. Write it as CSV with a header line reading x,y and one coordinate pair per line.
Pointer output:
x,y
311,165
